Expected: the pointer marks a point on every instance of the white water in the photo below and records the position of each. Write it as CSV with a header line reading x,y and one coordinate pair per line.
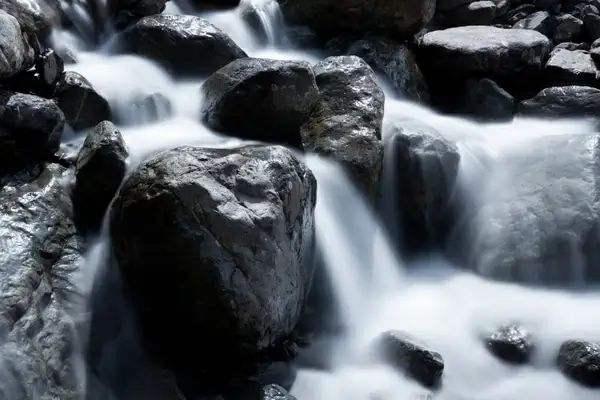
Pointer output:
x,y
445,307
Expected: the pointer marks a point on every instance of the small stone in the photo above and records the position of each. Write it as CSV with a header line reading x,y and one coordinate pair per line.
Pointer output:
x,y
511,343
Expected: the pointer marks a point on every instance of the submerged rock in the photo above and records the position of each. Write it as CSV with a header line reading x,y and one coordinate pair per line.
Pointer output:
x,y
100,168
216,246
411,357
345,123
260,99
511,343
183,44
580,361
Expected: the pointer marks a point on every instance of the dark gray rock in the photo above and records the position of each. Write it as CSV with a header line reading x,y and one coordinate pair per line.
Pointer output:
x,y
275,392
16,53
592,25
260,99
50,67
212,4
483,50
40,263
183,44
397,62
567,67
201,227
411,357
30,128
519,13
124,12
511,343
36,17
82,105
474,13
486,100
539,21
399,19
100,168
566,101
346,121
568,29
580,361
425,168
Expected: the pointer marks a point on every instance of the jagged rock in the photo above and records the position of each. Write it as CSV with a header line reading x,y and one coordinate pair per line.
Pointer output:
x,y
31,128
16,54
487,101
218,218
580,361
396,61
539,21
346,121
275,392
411,357
260,99
124,12
183,44
50,68
400,19
568,29
41,259
572,68
82,105
100,168
566,101
511,343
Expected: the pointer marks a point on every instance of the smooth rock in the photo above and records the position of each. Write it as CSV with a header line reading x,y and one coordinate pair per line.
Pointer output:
x,y
565,101
487,101
580,361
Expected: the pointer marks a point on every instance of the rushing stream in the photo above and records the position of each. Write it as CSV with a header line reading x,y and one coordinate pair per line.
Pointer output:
x,y
448,308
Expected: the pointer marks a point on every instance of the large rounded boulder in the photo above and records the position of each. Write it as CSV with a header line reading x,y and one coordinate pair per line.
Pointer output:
x,y
216,246
399,18
16,54
183,44
260,99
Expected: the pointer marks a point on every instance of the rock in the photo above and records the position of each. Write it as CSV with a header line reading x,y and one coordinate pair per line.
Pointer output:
x,y
83,106
571,68
568,29
50,68
345,124
202,4
36,17
560,215
147,109
426,167
566,101
275,392
397,62
41,259
592,25
519,13
487,101
595,54
30,129
16,54
260,99
408,355
475,13
511,343
580,361
184,44
398,19
569,46
539,21
484,50
124,12
100,168
219,218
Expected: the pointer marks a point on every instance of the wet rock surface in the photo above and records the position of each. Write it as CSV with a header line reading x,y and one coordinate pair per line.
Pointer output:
x,y
580,361
511,343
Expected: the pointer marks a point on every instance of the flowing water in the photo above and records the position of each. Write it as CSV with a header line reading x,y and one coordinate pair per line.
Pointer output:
x,y
447,308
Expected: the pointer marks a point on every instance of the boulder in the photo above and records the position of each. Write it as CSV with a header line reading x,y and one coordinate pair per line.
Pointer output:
x,y
592,25
100,168
83,107
539,21
411,357
511,343
346,121
568,29
16,53
36,17
537,217
124,12
487,101
425,166
397,62
41,259
216,246
580,361
183,44
49,67
565,101
565,68
30,129
398,19
483,50
260,99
